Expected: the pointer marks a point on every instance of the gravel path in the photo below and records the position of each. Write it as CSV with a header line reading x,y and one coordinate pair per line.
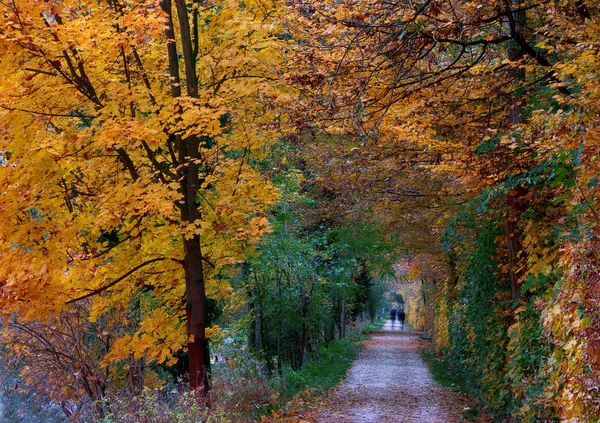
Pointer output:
x,y
390,383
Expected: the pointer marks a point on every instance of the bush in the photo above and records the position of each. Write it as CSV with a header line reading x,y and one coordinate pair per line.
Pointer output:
x,y
160,406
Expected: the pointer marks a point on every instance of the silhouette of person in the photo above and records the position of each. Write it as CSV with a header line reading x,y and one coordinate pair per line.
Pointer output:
x,y
393,314
401,318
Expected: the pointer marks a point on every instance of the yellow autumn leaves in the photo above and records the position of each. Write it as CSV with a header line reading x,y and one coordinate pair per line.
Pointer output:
x,y
91,201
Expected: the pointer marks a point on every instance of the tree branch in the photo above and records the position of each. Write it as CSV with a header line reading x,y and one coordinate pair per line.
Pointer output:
x,y
128,163
120,278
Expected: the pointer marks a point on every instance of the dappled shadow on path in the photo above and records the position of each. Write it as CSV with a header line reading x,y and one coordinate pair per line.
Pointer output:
x,y
390,383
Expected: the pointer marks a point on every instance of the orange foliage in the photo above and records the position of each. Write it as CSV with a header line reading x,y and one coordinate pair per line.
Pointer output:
x,y
91,179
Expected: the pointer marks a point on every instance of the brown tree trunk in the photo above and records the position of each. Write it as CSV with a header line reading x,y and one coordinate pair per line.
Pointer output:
x,y
452,281
195,296
251,293
194,275
279,329
516,198
517,204
257,320
343,319
303,327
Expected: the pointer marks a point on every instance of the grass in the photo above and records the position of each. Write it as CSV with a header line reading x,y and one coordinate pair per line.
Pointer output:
x,y
443,372
373,326
325,370
329,367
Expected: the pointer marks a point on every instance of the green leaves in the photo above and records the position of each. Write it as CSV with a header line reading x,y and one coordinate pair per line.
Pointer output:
x,y
487,146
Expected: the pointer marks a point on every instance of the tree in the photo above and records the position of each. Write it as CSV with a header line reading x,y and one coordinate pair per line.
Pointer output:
x,y
124,178
495,100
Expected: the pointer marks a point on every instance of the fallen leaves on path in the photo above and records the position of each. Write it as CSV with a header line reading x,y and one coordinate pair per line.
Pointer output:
x,y
389,382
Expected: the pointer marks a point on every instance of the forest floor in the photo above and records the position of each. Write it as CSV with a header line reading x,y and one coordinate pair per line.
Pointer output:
x,y
389,382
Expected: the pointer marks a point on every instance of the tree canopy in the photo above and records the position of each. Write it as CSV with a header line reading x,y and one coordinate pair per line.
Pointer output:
x,y
176,171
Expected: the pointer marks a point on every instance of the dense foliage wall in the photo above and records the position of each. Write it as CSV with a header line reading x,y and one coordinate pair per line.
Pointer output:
x,y
508,349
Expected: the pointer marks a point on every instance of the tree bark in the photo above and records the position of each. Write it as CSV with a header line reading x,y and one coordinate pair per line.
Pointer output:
x,y
194,272
516,198
279,329
517,204
187,149
343,319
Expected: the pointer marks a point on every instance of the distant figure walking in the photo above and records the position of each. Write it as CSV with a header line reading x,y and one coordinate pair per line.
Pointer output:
x,y
393,314
401,318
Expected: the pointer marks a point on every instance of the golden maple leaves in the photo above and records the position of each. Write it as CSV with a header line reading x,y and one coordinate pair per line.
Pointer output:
x,y
88,119
91,204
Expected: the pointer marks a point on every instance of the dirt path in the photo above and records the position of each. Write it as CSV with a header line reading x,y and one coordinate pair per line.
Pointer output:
x,y
390,383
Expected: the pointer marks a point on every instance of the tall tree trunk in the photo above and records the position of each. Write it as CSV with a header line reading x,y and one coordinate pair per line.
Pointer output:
x,y
303,326
196,312
195,296
195,289
266,348
516,198
343,319
279,328
251,293
258,320
452,282
330,333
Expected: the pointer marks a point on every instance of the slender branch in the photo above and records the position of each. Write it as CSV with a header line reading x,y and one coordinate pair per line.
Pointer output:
x,y
121,278
497,40
35,112
145,78
162,168
108,249
40,71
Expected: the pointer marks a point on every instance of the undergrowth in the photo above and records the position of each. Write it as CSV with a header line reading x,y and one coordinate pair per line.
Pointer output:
x,y
325,369
445,373
242,386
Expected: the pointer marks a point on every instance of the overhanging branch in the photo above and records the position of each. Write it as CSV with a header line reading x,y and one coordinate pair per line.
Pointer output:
x,y
120,278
